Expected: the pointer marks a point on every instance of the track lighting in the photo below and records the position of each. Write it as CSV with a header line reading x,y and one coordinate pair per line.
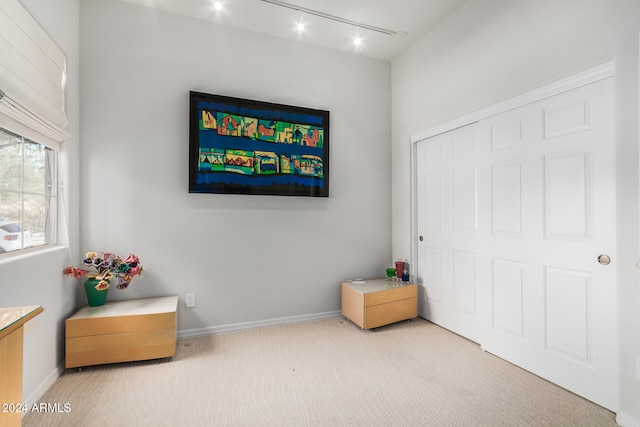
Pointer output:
x,y
334,18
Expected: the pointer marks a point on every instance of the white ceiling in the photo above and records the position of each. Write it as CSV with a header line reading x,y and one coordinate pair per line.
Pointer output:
x,y
412,17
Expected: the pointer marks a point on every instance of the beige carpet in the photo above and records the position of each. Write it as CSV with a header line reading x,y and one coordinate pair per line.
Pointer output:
x,y
321,373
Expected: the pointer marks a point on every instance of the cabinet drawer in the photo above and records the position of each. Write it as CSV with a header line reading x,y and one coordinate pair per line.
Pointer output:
x,y
119,324
385,314
389,295
98,349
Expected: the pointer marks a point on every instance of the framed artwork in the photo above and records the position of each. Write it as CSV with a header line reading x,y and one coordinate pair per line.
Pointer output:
x,y
242,146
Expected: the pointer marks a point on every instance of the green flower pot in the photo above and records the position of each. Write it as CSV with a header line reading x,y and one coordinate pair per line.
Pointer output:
x,y
94,297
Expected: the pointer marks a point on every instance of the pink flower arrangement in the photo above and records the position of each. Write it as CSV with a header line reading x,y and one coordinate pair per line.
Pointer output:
x,y
107,267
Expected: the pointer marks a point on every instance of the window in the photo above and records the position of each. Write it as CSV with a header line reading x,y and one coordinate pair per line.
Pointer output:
x,y
27,193
32,129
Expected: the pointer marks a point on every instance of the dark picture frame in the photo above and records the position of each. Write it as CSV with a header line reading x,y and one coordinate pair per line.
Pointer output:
x,y
243,146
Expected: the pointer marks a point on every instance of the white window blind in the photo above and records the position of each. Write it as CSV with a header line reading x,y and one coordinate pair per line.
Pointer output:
x,y
32,72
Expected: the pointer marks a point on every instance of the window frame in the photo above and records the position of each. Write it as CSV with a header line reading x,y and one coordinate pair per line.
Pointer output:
x,y
51,195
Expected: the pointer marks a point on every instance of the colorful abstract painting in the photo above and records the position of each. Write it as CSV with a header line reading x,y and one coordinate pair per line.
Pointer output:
x,y
241,146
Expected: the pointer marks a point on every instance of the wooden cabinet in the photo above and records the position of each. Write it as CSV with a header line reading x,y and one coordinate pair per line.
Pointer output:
x,y
379,302
12,321
122,331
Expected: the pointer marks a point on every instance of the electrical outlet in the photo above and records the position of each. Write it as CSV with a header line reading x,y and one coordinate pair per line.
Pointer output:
x,y
190,300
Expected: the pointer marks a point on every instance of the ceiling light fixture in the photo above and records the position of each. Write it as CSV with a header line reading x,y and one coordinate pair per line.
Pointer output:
x,y
334,18
357,39
217,5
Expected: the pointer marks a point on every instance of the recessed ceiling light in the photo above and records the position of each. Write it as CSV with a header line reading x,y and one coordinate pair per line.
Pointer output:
x,y
357,40
217,5
300,26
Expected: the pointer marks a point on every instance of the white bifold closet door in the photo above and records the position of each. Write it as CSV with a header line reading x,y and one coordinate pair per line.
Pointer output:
x,y
514,213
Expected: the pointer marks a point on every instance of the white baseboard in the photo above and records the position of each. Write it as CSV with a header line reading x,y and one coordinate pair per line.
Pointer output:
x,y
211,330
43,387
625,420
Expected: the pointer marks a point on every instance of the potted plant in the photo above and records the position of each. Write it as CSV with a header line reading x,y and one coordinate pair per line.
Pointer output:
x,y
101,270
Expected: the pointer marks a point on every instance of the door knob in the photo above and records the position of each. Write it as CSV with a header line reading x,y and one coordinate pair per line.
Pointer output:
x,y
604,259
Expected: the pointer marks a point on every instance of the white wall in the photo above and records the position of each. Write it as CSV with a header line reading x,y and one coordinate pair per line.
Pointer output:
x,y
36,278
490,50
247,258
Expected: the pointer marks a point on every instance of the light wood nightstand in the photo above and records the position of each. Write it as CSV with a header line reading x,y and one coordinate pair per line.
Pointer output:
x,y
122,331
379,302
12,322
